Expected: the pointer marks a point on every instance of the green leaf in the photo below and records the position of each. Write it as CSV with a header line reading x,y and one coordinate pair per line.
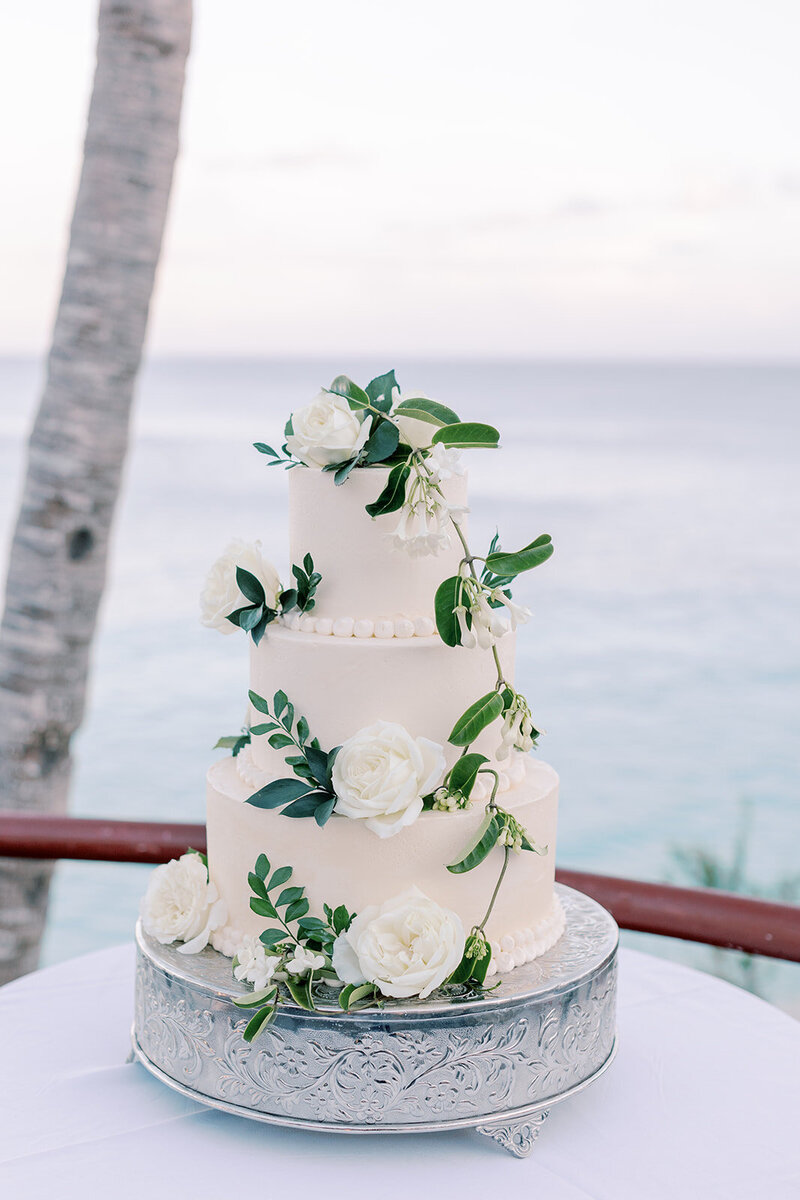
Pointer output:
x,y
300,991
227,743
262,866
288,599
341,919
534,847
279,702
250,587
297,910
279,792
259,703
250,618
343,386
345,994
422,409
257,885
308,565
318,762
280,741
467,435
342,472
324,811
289,895
264,908
476,718
393,495
281,875
515,562
311,924
272,938
260,1021
465,772
253,999
287,718
267,727
306,806
381,391
302,731
350,996
472,967
485,840
259,630
381,442
263,448
446,599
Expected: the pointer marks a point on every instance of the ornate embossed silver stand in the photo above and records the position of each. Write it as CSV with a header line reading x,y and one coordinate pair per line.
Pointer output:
x,y
497,1063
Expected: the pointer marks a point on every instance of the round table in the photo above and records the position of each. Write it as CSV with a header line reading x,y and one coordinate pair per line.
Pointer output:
x,y
703,1101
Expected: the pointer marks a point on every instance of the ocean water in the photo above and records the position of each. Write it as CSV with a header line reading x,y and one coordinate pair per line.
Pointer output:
x,y
663,658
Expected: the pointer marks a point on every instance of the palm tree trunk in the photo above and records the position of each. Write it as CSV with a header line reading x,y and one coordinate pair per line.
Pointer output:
x,y
77,448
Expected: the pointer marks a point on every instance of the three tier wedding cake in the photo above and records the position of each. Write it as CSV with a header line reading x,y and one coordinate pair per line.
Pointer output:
x,y
379,826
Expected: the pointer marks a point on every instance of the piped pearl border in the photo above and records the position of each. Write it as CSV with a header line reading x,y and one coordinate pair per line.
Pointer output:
x,y
348,627
512,950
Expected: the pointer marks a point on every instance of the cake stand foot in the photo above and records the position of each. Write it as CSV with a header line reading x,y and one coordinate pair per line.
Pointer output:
x,y
517,1137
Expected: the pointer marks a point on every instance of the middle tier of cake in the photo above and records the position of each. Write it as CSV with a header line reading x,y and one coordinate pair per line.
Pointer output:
x,y
343,685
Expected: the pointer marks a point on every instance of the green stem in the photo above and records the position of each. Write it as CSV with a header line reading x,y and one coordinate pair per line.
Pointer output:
x,y
506,855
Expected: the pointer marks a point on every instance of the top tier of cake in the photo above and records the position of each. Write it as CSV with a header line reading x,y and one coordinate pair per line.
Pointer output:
x,y
364,576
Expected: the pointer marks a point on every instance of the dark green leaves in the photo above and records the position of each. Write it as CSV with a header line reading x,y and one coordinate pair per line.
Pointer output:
x,y
382,442
308,581
447,597
235,743
251,588
359,995
263,1018
465,772
515,562
475,963
254,617
467,435
380,391
430,411
281,791
477,717
281,459
393,495
483,843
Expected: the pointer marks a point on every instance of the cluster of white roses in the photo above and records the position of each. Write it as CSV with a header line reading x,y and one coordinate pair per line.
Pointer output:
x,y
381,775
221,595
406,947
181,905
488,623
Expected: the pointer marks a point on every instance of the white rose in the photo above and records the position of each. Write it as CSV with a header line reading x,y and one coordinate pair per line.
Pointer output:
x,y
326,431
407,947
381,774
304,960
253,964
221,596
180,905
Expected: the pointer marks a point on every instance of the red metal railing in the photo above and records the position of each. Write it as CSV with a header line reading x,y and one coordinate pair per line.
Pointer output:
x,y
692,914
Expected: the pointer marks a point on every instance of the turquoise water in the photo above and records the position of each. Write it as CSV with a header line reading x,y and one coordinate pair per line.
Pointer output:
x,y
664,654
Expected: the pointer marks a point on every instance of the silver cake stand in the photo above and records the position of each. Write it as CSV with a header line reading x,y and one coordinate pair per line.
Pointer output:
x,y
496,1064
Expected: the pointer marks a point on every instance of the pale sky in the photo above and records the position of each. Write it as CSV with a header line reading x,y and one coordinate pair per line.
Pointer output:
x,y
586,178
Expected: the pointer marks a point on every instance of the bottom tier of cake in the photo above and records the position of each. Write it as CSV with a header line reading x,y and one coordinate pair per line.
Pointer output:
x,y
345,863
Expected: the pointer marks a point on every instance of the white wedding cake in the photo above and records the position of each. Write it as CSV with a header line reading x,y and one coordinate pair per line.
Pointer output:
x,y
380,825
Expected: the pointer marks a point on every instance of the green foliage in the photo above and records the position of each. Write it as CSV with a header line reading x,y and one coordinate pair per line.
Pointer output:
x,y
475,961
430,411
380,391
311,793
477,717
467,435
277,459
510,565
301,596
254,617
463,775
481,846
447,597
358,995
393,495
235,743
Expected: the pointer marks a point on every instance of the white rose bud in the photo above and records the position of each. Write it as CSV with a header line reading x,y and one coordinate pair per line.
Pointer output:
x,y
221,596
407,947
180,905
381,774
326,431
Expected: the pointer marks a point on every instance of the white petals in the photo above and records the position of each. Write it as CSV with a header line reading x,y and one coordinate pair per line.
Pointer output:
x,y
253,964
303,961
381,774
326,431
221,595
407,947
180,905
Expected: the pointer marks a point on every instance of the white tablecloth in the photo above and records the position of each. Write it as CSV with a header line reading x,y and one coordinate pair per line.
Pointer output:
x,y
703,1100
